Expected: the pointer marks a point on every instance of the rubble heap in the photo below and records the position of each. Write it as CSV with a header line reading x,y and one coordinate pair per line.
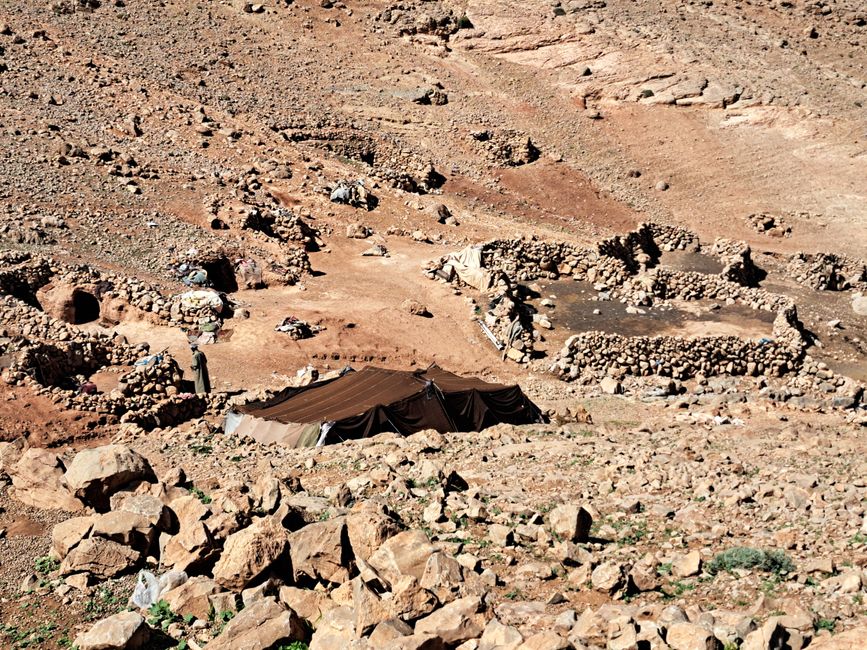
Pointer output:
x,y
828,271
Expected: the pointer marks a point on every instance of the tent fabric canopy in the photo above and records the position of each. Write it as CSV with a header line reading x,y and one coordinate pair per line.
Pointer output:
x,y
372,400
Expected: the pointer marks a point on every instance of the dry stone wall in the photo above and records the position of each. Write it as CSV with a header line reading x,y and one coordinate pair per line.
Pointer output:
x,y
625,266
828,271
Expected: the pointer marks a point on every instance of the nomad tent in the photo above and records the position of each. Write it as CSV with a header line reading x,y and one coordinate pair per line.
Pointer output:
x,y
372,400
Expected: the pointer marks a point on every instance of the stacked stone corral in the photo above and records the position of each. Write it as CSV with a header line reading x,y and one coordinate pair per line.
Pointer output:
x,y
671,356
529,259
46,350
738,261
160,378
620,264
828,271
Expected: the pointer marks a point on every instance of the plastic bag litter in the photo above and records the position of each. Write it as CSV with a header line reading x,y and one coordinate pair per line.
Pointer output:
x,y
147,590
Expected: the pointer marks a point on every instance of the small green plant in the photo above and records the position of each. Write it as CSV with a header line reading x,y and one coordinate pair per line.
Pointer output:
x,y
744,557
161,615
189,618
664,569
325,515
825,624
513,594
295,645
464,22
204,450
182,645
201,496
731,645
857,539
46,564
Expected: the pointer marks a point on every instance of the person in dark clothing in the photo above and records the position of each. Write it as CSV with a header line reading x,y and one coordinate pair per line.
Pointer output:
x,y
200,368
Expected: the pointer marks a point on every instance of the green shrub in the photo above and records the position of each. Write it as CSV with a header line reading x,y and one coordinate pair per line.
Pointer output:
x,y
744,557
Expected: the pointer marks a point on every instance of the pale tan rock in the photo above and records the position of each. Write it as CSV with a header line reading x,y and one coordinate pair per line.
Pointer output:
x,y
454,623
685,566
570,523
192,597
545,641
768,636
335,631
250,552
263,625
500,637
308,604
38,481
443,576
388,631
607,577
320,551
123,631
125,528
849,640
68,534
192,547
406,553
688,636
368,528
100,557
410,601
95,474
146,505
369,608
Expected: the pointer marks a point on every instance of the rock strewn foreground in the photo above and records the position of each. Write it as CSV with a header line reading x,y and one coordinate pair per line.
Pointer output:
x,y
611,536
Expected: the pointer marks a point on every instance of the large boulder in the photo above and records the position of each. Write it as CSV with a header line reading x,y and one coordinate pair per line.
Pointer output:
x,y
251,552
849,640
320,552
405,554
570,523
101,558
95,474
191,549
123,631
38,481
368,527
262,625
125,528
456,622
68,534
192,597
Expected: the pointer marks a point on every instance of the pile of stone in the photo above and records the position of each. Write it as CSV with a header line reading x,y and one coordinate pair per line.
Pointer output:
x,y
769,224
292,555
510,322
737,260
672,356
828,271
430,18
158,375
281,224
203,308
174,410
506,147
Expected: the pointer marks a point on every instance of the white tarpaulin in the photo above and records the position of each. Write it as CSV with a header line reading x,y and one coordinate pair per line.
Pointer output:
x,y
467,264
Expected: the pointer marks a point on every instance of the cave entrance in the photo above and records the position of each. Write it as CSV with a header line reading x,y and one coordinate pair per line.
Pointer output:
x,y
85,307
221,275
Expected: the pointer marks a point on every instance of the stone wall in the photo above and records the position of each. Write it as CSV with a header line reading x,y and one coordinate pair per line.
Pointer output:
x,y
828,271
